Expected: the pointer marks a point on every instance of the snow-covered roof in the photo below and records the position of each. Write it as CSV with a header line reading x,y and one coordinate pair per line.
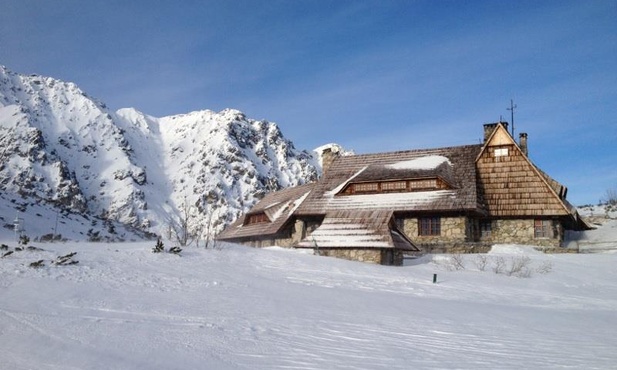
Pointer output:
x,y
454,165
423,163
279,206
358,230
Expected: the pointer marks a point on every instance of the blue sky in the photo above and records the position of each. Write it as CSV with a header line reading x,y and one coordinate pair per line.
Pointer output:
x,y
370,75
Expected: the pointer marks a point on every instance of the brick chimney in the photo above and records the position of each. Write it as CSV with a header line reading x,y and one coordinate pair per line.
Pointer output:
x,y
522,142
490,127
327,157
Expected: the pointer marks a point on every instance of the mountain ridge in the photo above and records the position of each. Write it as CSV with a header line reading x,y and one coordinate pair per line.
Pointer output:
x,y
69,151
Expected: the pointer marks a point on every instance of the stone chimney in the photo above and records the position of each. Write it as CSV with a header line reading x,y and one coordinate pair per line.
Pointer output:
x,y
327,157
522,142
490,127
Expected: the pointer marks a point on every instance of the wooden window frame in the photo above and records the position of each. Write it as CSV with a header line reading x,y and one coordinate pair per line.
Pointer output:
x,y
501,152
486,228
396,186
366,187
543,229
393,186
424,184
429,226
257,218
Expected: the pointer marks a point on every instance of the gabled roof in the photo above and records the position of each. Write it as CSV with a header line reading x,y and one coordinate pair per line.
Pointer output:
x,y
278,206
512,185
358,230
455,165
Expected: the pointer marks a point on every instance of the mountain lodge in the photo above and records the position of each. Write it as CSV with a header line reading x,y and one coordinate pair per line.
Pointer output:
x,y
377,207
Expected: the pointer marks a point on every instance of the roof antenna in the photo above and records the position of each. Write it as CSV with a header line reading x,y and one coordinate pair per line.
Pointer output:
x,y
511,109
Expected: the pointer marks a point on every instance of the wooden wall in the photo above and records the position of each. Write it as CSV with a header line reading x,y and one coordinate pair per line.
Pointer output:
x,y
510,185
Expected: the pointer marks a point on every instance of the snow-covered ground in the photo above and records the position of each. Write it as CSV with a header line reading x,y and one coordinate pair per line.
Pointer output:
x,y
124,307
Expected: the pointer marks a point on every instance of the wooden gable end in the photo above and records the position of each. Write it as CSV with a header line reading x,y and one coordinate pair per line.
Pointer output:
x,y
509,184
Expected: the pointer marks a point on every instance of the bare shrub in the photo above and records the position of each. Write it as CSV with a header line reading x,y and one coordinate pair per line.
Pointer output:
x,y
457,261
481,261
524,273
519,266
610,198
545,267
452,262
499,264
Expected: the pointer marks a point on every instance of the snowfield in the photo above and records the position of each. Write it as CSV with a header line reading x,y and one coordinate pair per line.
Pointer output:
x,y
124,307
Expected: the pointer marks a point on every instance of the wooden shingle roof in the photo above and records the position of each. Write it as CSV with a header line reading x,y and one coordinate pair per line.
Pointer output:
x,y
278,206
358,230
458,170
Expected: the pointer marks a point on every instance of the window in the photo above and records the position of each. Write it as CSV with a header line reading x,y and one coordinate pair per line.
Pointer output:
x,y
543,229
429,226
366,187
486,227
501,152
257,218
394,185
423,184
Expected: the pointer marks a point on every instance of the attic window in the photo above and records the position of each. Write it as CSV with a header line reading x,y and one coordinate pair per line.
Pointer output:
x,y
501,152
256,218
365,187
394,185
423,184
397,186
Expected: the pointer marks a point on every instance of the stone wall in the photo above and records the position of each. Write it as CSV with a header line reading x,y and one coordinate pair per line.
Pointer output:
x,y
461,235
453,230
280,241
362,255
456,248
521,231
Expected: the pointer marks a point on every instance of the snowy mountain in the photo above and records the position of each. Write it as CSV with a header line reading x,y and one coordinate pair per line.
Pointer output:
x,y
66,150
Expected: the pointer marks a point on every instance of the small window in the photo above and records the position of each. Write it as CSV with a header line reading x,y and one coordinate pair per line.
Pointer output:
x,y
486,228
394,185
501,152
423,184
429,226
543,229
365,187
257,218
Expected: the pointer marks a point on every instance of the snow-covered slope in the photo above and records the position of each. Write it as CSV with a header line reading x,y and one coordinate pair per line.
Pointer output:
x,y
123,307
64,149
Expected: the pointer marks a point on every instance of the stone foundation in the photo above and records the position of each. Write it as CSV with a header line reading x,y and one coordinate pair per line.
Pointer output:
x,y
280,242
456,248
521,231
376,256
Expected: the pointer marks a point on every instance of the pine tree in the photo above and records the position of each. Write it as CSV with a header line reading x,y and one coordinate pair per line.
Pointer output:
x,y
159,247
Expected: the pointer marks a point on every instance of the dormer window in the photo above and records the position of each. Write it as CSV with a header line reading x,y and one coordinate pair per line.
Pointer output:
x,y
256,218
367,187
398,186
427,173
394,186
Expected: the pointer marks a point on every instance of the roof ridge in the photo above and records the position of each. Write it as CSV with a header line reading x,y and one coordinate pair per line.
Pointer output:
x,y
414,150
